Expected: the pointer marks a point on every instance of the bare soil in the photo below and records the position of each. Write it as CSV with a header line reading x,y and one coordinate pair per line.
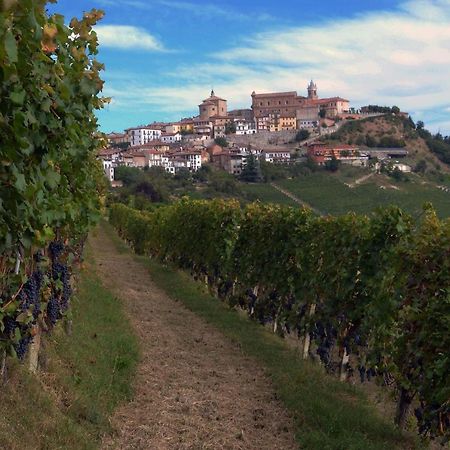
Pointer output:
x,y
194,389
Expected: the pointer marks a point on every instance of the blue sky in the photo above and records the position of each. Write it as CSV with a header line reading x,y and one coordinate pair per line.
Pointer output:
x,y
163,56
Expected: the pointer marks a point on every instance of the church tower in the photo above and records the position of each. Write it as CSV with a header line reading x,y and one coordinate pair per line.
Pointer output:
x,y
312,91
213,106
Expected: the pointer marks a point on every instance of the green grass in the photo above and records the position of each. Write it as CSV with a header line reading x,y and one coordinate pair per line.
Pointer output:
x,y
87,375
330,195
265,193
327,414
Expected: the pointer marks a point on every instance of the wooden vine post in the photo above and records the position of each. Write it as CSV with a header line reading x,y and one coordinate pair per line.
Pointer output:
x,y
307,336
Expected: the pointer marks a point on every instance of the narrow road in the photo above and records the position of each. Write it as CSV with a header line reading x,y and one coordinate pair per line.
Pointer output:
x,y
194,389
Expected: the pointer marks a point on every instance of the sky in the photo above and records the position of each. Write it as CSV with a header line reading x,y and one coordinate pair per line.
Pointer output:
x,y
163,57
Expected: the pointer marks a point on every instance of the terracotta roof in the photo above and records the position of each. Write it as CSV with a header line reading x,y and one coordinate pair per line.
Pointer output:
x,y
277,94
213,97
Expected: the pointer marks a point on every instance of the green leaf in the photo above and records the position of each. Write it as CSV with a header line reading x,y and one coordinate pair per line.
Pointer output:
x,y
20,183
11,47
18,97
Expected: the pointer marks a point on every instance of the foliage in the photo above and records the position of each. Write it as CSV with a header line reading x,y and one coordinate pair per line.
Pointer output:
x,y
271,172
251,171
302,135
421,167
438,144
221,141
49,177
378,284
380,109
332,165
230,128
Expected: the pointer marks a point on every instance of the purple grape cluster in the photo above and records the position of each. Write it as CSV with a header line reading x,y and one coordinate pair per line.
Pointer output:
x,y
53,310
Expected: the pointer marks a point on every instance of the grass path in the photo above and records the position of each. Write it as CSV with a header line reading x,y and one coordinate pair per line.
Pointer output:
x,y
295,198
194,388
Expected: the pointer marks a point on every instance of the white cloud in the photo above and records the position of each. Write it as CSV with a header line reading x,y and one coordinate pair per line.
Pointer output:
x,y
205,10
398,57
127,38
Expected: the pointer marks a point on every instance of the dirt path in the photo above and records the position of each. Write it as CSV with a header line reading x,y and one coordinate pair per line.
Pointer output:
x,y
361,180
295,198
194,389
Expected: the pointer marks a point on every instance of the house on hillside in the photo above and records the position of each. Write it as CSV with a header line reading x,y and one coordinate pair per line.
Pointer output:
x,y
280,156
321,153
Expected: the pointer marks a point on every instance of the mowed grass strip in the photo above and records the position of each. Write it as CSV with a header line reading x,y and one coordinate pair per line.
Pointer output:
x,y
329,194
327,414
85,377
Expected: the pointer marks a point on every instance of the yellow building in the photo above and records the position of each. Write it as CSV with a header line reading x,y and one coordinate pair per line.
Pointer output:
x,y
287,123
187,126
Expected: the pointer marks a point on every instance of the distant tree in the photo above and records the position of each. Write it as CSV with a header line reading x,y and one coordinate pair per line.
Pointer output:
x,y
150,191
390,141
221,141
271,172
202,174
251,171
322,113
371,141
302,135
361,140
311,164
184,177
420,125
223,182
421,166
397,174
332,165
128,175
230,128
395,110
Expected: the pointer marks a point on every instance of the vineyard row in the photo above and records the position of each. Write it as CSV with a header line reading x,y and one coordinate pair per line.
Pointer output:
x,y
367,295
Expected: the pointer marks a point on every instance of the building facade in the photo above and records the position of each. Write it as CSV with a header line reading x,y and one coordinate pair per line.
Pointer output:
x,y
142,135
290,105
212,106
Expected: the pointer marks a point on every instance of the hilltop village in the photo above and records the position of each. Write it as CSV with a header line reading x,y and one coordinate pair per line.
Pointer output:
x,y
275,128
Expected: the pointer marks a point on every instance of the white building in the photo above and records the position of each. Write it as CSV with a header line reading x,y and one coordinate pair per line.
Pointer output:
x,y
193,158
142,135
263,123
108,168
402,167
307,123
157,159
277,156
243,127
170,138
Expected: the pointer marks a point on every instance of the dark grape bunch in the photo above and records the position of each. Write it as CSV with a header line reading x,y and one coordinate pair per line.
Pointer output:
x,y
53,310
21,347
30,295
60,272
55,249
10,325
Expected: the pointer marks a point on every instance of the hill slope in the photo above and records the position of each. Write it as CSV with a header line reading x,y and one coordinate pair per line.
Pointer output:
x,y
393,131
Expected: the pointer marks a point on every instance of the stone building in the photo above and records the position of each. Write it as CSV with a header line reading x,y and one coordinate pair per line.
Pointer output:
x,y
212,106
286,105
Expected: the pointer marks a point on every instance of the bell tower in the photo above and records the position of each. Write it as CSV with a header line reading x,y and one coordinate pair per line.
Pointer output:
x,y
312,91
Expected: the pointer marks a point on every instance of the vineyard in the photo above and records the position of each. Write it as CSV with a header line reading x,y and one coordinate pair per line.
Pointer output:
x,y
50,180
367,295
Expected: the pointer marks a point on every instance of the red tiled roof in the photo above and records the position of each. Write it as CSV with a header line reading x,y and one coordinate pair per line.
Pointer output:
x,y
277,94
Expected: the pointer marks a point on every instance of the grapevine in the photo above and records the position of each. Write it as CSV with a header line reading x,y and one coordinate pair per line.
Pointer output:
x,y
368,295
50,181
